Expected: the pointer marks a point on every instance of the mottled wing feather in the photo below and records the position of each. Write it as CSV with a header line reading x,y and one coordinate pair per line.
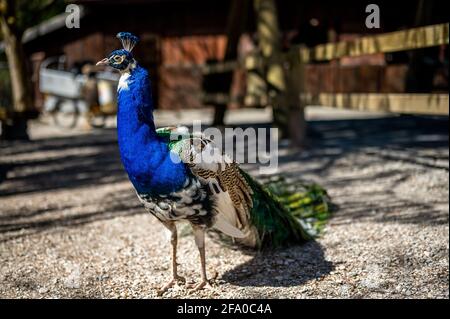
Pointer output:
x,y
230,180
222,174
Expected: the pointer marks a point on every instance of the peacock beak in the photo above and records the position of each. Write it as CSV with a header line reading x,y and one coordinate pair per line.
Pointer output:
x,y
102,62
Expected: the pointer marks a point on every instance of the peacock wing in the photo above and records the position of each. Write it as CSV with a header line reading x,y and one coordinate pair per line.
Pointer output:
x,y
228,186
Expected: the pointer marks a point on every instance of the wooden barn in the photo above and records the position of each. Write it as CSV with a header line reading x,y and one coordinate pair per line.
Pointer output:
x,y
178,35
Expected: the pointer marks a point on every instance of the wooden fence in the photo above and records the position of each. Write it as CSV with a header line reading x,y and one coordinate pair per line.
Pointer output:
x,y
299,56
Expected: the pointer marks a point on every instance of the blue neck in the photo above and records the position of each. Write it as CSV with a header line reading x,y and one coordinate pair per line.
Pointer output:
x,y
146,158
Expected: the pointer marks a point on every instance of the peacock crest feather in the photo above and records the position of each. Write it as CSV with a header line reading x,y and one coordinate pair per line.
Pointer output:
x,y
128,40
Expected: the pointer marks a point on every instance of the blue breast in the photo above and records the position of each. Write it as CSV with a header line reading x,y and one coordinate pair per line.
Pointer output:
x,y
145,157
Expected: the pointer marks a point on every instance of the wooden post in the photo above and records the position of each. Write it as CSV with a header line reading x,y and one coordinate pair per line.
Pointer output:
x,y
269,43
237,21
295,78
419,77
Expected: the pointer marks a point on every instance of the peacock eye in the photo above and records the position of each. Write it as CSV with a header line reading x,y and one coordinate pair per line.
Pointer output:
x,y
117,58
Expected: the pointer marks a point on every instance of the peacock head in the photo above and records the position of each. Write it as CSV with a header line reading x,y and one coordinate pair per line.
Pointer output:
x,y
121,59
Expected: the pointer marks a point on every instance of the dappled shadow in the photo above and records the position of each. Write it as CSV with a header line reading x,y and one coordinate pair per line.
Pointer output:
x,y
19,223
60,163
391,209
87,160
287,267
63,164
386,154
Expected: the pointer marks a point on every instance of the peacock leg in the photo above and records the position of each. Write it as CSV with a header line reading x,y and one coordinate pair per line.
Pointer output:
x,y
175,277
199,235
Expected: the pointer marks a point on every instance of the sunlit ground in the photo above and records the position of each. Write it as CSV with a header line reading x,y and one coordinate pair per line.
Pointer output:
x,y
71,226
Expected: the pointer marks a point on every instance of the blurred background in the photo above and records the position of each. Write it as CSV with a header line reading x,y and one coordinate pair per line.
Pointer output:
x,y
50,66
361,111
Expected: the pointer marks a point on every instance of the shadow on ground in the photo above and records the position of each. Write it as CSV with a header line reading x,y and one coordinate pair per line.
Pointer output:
x,y
293,266
70,163
60,163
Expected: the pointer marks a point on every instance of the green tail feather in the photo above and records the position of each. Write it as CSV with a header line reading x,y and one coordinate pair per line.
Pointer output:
x,y
287,212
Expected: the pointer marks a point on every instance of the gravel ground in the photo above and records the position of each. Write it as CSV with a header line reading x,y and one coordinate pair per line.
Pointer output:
x,y
70,225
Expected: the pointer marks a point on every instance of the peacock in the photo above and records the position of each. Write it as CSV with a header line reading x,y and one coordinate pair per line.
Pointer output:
x,y
174,185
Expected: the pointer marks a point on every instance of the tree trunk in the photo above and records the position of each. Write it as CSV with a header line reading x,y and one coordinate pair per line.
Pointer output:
x,y
21,91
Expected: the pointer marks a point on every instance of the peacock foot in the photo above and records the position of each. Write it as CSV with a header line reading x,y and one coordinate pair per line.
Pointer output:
x,y
208,283
170,284
200,286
